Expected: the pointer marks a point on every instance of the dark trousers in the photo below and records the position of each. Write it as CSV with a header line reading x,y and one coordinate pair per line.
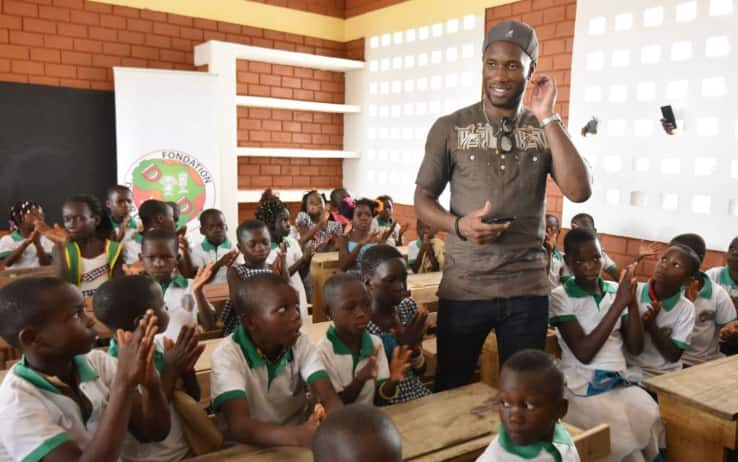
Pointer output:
x,y
463,325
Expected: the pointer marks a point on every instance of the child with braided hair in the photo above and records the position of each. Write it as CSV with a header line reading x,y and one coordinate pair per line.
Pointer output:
x,y
274,213
26,246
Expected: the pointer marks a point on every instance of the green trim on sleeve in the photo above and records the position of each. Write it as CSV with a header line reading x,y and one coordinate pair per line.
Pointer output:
x,y
227,396
5,254
563,318
317,375
46,447
681,345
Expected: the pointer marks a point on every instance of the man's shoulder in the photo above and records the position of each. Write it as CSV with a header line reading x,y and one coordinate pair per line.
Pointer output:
x,y
465,115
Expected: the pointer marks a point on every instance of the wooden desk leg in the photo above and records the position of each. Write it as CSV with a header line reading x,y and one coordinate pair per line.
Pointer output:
x,y
319,276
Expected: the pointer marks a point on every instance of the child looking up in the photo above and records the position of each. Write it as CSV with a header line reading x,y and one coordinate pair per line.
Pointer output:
x,y
357,433
713,308
120,205
395,316
727,276
254,243
355,359
62,401
184,298
427,254
274,213
313,223
259,374
531,403
351,246
216,247
119,304
26,246
555,258
668,317
384,223
585,220
88,258
594,320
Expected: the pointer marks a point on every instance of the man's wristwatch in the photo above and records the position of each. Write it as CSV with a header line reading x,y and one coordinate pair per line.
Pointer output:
x,y
553,118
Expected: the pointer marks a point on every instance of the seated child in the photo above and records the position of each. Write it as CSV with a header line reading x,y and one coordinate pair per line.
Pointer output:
x,y
260,372
427,254
25,246
184,298
215,247
341,202
357,433
727,276
274,213
531,403
154,214
119,304
668,316
351,246
385,225
88,258
395,316
120,204
555,258
585,220
594,319
355,359
64,401
254,243
713,308
314,224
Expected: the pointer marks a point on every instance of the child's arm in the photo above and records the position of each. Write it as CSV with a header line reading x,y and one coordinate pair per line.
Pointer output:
x,y
185,263
205,311
121,233
44,259
117,270
398,367
327,396
226,261
632,329
346,259
14,255
244,429
663,343
307,233
368,372
60,262
179,361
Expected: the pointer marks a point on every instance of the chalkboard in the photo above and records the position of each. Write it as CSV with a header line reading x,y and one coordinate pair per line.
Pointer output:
x,y
54,143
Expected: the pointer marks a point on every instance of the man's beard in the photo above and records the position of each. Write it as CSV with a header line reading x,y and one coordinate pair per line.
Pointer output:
x,y
510,103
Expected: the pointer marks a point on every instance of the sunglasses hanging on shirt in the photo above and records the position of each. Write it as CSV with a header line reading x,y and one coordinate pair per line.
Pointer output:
x,y
505,140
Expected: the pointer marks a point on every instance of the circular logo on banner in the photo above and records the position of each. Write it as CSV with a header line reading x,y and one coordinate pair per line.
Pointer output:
x,y
173,176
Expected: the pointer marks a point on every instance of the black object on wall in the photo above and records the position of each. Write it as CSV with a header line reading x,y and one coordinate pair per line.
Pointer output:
x,y
54,142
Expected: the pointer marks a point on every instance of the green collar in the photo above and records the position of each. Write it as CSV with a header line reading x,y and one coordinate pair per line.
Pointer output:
x,y
138,237
17,236
419,242
86,374
574,291
158,355
667,303
178,281
706,291
365,351
726,279
557,253
275,245
208,246
131,223
383,222
532,450
256,359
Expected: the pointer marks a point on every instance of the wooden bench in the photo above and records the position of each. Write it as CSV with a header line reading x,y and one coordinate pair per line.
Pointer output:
x,y
454,425
699,406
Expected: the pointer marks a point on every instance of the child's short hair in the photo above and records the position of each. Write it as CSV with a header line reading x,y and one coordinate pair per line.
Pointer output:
x,y
694,242
117,188
692,258
149,210
249,225
120,301
175,210
207,213
20,305
540,363
375,256
577,237
303,206
356,432
336,193
158,234
585,217
337,280
553,217
250,292
348,210
270,206
105,227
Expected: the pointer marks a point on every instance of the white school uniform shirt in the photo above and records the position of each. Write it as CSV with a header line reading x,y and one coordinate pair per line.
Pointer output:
x,y
206,252
502,449
131,229
29,257
132,248
568,302
380,226
713,308
181,305
607,265
275,392
294,253
554,270
676,318
721,275
37,417
94,272
342,365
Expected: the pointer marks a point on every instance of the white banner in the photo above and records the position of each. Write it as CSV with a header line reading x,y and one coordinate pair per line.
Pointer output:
x,y
167,138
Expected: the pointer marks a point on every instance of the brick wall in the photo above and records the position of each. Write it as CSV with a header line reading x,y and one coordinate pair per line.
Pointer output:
x,y
336,8
357,7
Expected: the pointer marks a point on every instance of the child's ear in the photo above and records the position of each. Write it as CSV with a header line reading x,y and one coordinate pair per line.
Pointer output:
x,y
27,337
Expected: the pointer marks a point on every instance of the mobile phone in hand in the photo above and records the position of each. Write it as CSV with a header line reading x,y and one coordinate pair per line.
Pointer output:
x,y
668,114
491,220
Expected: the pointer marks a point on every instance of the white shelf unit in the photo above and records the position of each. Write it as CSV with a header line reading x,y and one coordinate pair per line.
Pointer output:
x,y
221,58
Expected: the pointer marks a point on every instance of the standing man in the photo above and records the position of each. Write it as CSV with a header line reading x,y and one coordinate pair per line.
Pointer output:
x,y
496,155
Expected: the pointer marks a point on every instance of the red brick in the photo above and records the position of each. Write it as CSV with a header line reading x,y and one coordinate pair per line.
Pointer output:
x,y
179,20
105,61
158,41
260,67
125,11
554,46
277,92
132,62
258,90
113,22
205,24
19,8
10,22
91,73
99,8
172,56
229,28
281,137
26,38
279,45
301,116
565,29
523,6
91,46
61,70
46,55
72,57
73,4
181,44
4,65
270,170
117,49
43,80
145,52
156,16
249,124
74,83
260,113
133,38
258,135
160,65
55,14
290,82
72,30
85,17
247,77
103,86
189,33
139,25
99,33
166,29
280,69
55,41
270,80
303,73
541,4
28,67
324,75
271,125
562,62
304,95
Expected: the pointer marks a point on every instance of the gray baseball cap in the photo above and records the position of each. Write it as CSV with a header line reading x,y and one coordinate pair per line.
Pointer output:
x,y
516,32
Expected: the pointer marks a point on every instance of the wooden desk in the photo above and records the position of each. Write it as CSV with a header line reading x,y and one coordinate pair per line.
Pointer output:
x,y
424,287
699,406
489,360
453,425
9,275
